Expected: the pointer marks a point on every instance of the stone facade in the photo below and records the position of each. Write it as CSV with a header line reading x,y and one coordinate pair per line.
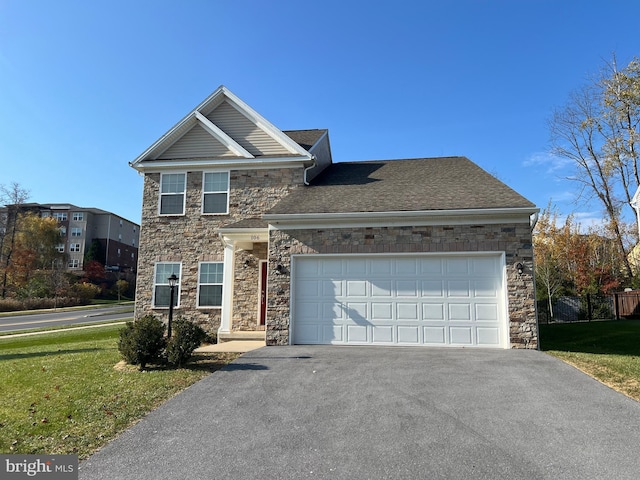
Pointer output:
x,y
193,238
514,240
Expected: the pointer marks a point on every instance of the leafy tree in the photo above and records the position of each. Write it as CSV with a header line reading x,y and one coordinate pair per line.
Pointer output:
x,y
95,252
548,258
598,130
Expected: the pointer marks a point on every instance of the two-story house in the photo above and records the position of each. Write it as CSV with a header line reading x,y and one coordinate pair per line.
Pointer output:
x,y
267,235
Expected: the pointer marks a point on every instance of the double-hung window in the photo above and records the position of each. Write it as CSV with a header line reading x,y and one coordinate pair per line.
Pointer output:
x,y
215,192
210,284
161,288
172,193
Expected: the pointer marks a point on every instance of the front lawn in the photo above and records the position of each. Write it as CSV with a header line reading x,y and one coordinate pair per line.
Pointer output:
x,y
608,351
61,392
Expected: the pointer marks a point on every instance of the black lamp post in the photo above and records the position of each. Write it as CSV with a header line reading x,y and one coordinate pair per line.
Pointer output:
x,y
173,280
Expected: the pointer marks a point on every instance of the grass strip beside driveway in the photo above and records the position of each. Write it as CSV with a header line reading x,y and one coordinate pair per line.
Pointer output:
x,y
61,392
608,351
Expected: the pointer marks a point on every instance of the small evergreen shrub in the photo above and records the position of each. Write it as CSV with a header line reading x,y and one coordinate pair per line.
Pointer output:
x,y
187,336
142,342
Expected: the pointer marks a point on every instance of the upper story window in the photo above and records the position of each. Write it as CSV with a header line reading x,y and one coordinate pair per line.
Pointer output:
x,y
78,216
74,247
60,216
172,193
76,232
63,231
60,247
215,192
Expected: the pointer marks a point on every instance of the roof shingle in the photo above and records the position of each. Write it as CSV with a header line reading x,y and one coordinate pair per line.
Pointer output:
x,y
422,184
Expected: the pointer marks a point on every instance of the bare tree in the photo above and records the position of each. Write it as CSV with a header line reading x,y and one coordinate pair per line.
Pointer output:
x,y
598,130
13,197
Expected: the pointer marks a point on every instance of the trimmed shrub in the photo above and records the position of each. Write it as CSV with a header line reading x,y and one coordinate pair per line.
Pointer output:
x,y
142,342
187,336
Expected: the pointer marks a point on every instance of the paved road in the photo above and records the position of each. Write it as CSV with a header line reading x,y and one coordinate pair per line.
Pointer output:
x,y
383,413
56,319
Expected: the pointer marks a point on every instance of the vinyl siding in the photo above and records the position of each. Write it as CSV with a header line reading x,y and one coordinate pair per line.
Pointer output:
x,y
245,132
197,143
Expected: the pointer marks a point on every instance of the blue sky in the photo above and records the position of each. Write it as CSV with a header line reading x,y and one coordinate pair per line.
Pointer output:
x,y
86,86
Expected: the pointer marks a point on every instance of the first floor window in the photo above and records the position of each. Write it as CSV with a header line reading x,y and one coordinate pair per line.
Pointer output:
x,y
210,284
161,288
74,263
172,192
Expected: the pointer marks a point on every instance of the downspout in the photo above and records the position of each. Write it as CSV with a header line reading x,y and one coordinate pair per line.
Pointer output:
x,y
314,164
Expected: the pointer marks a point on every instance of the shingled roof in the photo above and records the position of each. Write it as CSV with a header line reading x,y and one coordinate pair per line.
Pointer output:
x,y
305,138
422,184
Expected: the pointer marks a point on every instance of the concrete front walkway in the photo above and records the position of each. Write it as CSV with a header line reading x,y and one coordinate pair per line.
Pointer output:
x,y
237,346
383,413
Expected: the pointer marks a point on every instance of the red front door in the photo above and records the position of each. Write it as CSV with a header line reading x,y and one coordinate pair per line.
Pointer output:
x,y
263,293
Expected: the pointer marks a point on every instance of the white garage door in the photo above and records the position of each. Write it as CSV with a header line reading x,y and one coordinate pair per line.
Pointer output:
x,y
448,300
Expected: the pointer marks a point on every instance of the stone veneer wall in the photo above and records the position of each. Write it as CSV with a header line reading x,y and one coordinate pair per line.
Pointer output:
x,y
193,237
513,239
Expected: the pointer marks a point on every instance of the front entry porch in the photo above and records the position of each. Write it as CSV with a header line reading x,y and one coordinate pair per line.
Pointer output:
x,y
244,293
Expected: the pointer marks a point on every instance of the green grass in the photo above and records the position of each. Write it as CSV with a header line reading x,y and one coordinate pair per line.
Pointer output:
x,y
608,351
64,393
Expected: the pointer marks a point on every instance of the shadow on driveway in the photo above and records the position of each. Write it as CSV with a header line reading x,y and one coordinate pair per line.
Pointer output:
x,y
382,412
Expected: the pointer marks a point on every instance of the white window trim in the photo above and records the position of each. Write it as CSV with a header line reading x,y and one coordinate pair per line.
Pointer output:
x,y
209,307
153,293
74,246
78,216
228,192
184,196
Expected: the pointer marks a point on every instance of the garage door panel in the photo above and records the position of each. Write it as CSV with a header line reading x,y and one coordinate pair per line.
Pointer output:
x,y
408,335
308,333
443,299
433,311
357,334
484,288
435,335
487,312
460,312
380,266
382,311
406,266
432,266
382,334
357,288
459,288
487,336
457,266
407,311
331,288
407,288
332,334
461,335
433,288
381,288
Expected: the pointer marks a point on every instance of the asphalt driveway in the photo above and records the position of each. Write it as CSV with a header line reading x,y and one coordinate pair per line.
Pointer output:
x,y
372,412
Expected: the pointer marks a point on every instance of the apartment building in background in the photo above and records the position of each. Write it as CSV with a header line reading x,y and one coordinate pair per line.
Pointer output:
x,y
80,226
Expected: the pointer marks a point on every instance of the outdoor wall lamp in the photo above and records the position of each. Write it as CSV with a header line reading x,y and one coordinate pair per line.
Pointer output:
x,y
520,268
279,269
173,281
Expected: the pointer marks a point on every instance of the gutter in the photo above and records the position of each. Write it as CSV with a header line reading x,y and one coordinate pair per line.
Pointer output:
x,y
314,164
